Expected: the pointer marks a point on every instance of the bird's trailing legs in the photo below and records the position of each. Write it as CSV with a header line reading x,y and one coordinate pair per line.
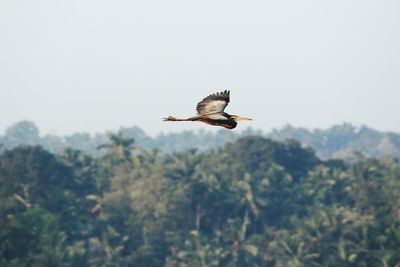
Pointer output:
x,y
170,118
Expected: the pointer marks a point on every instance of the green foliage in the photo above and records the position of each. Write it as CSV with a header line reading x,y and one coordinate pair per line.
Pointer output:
x,y
253,202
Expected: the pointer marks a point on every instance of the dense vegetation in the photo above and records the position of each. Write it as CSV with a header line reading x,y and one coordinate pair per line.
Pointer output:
x,y
340,141
254,202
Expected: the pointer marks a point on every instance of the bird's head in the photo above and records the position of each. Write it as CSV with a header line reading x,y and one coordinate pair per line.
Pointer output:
x,y
238,118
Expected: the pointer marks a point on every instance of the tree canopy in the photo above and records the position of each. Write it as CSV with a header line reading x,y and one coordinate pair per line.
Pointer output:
x,y
344,141
252,202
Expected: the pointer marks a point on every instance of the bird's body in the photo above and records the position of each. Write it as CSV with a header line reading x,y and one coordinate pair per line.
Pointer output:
x,y
211,111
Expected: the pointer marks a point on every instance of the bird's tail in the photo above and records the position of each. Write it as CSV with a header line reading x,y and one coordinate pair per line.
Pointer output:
x,y
170,118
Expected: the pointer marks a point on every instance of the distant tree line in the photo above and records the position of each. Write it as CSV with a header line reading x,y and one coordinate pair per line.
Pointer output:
x,y
253,202
340,141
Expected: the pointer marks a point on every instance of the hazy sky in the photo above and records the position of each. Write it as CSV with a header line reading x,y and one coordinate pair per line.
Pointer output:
x,y
91,65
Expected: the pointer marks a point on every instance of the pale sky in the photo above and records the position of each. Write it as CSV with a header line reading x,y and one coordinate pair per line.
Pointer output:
x,y
93,65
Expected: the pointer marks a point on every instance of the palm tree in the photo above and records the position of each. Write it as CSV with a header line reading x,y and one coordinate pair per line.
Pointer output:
x,y
119,148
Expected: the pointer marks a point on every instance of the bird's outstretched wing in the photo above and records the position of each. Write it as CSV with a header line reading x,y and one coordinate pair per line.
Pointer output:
x,y
214,103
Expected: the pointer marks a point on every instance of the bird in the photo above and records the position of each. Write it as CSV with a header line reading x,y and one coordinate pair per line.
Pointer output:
x,y
210,110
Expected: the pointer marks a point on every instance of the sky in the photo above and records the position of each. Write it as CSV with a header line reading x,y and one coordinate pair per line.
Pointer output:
x,y
96,65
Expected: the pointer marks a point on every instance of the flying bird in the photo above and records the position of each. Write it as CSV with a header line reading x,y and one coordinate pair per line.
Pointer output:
x,y
210,110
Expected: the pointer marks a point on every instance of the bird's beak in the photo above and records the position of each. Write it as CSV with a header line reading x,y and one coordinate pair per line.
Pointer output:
x,y
242,119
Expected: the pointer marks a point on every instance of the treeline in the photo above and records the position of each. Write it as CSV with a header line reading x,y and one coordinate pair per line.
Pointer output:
x,y
344,141
341,141
253,202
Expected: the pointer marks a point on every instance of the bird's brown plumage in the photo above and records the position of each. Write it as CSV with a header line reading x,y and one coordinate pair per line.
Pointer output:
x,y
211,110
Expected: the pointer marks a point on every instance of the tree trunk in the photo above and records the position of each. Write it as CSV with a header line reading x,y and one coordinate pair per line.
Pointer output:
x,y
244,225
198,217
23,201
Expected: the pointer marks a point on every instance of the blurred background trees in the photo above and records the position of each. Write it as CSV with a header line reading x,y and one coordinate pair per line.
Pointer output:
x,y
252,202
343,141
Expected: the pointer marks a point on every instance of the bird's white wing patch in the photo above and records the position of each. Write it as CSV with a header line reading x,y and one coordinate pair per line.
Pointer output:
x,y
213,103
214,107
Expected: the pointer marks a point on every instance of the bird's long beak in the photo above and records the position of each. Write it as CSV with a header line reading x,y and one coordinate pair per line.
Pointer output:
x,y
242,119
